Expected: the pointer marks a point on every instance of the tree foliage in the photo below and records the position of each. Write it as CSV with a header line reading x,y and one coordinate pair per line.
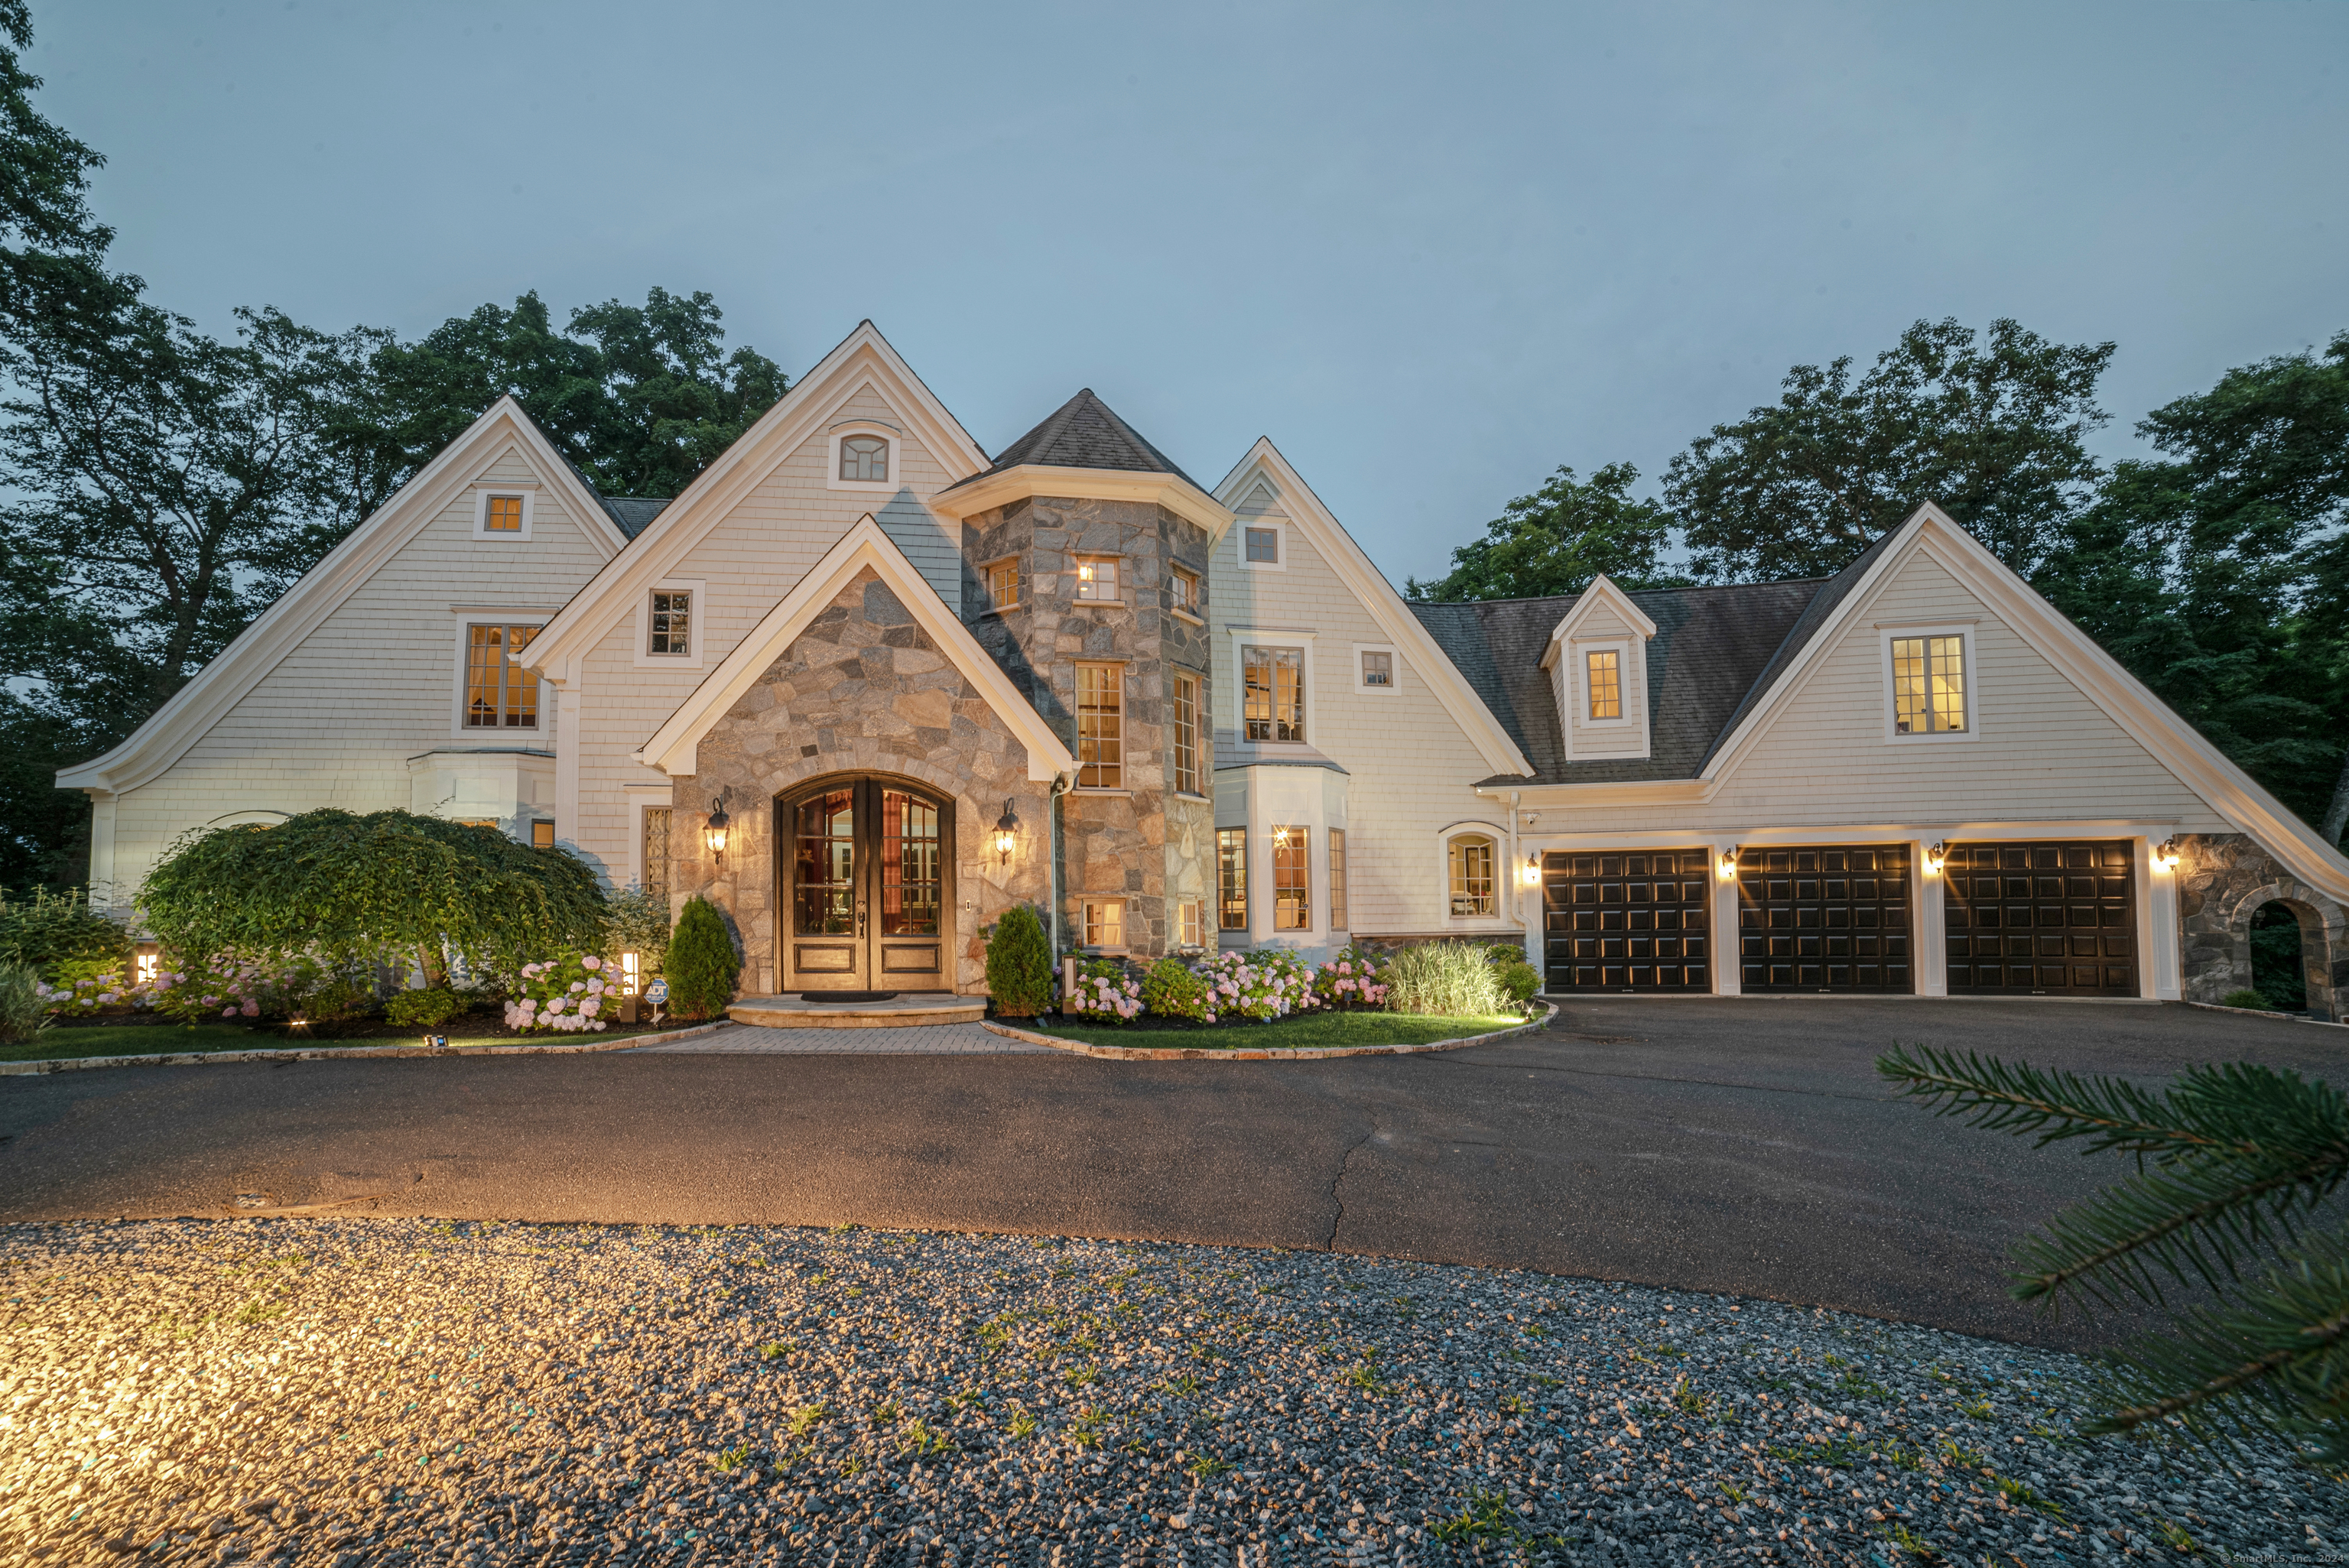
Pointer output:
x,y
1556,539
2235,1167
389,886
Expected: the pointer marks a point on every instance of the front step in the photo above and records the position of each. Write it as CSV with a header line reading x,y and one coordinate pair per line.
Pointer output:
x,y
901,1012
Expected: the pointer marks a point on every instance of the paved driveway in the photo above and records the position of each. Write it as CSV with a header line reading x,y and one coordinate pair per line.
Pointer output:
x,y
1739,1146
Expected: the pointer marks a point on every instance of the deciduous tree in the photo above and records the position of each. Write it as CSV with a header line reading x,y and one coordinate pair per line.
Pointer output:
x,y
1557,539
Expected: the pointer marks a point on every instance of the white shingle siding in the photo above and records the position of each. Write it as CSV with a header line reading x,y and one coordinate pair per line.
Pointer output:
x,y
1598,628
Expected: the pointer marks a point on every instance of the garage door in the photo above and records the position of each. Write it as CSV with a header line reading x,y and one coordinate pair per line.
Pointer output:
x,y
1637,921
1824,918
2042,919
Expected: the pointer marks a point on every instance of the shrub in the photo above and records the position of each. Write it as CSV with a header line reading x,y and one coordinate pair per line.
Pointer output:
x,y
703,964
427,1008
2247,998
1445,979
50,929
566,992
23,1012
1519,980
87,986
1104,994
1268,983
637,922
1019,964
1173,989
1354,981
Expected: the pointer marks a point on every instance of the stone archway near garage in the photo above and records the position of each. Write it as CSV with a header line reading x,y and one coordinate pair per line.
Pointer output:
x,y
2225,883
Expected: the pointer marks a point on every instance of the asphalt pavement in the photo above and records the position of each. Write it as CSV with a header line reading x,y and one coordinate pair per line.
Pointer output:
x,y
1739,1146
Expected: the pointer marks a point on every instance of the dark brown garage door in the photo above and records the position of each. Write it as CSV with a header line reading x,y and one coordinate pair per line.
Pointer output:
x,y
2040,919
1829,918
1630,922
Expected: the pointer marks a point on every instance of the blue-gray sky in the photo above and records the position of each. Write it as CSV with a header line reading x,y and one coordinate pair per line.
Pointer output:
x,y
1433,250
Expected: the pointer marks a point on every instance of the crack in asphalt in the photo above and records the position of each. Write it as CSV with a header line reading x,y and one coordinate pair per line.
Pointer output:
x,y
1345,1163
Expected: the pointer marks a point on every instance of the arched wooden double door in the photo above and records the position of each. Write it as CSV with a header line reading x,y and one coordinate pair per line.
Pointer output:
x,y
868,886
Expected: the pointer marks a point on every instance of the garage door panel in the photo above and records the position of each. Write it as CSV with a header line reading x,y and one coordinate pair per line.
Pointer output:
x,y
2040,919
1825,918
1636,921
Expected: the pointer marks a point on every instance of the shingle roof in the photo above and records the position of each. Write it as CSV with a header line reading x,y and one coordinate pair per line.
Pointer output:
x,y
1085,433
634,514
1715,652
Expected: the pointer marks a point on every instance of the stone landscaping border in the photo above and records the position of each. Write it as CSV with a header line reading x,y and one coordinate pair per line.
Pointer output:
x,y
336,1053
1297,1054
2264,1013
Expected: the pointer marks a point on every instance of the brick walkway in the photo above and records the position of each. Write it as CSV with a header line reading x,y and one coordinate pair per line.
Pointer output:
x,y
928,1041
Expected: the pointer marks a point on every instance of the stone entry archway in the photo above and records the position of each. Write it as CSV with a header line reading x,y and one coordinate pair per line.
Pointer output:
x,y
866,894
2224,881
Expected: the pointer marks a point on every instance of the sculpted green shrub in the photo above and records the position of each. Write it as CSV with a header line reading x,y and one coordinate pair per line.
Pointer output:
x,y
1445,980
702,963
1019,964
427,1008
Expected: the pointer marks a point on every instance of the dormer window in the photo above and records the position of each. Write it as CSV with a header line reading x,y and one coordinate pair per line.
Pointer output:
x,y
864,459
1603,672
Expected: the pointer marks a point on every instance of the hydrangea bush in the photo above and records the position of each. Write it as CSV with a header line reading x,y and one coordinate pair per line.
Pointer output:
x,y
565,993
1104,994
1354,981
1269,983
88,985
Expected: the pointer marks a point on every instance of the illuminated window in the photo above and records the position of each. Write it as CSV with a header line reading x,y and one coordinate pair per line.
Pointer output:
x,y
1101,738
541,835
1186,734
503,516
498,695
864,459
672,622
1273,701
1929,685
1603,679
1231,879
1194,920
1471,858
1378,670
1183,590
1264,546
1097,578
1105,923
1338,880
655,878
1003,585
1292,891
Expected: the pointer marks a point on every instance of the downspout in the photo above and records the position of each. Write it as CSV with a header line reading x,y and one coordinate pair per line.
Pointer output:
x,y
1060,786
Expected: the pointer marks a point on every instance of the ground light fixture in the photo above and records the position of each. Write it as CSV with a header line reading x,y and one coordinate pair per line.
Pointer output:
x,y
1006,832
299,1023
714,833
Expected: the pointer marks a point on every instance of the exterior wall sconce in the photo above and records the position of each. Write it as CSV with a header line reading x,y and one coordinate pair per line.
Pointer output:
x,y
1532,870
714,834
2167,854
1006,832
1934,855
1729,862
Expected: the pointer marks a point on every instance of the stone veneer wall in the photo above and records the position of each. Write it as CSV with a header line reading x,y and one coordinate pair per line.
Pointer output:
x,y
862,690
2223,878
1148,846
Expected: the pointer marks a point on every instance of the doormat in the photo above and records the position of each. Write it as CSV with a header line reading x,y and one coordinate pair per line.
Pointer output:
x,y
848,996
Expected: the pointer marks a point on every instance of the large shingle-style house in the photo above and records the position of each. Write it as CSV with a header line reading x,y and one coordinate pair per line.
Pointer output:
x,y
923,684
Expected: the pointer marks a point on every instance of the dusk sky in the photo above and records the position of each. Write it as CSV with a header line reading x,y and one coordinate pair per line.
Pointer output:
x,y
1432,251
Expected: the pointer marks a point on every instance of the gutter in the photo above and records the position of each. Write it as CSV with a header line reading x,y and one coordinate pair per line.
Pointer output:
x,y
1061,784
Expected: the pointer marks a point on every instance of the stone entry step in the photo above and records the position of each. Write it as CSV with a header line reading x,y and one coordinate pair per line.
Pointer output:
x,y
906,1010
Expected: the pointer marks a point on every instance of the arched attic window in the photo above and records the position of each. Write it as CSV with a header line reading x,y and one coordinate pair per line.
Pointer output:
x,y
864,459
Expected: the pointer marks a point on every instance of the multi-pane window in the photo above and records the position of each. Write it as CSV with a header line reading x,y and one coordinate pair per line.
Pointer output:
x,y
864,459
655,854
1101,728
1186,734
1928,685
1105,923
1292,881
672,622
503,516
1273,700
1097,578
1378,670
1231,879
498,696
1264,545
1003,584
912,871
1183,590
1603,679
1338,880
1194,920
1472,856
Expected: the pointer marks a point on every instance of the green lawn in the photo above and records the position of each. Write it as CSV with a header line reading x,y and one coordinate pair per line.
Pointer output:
x,y
1311,1031
137,1040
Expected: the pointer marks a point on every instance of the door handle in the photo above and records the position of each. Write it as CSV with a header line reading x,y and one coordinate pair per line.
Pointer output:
x,y
859,917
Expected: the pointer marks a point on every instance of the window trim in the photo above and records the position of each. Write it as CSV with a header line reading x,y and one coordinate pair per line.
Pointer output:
x,y
986,570
1964,632
1395,667
1443,842
1280,535
698,658
1191,925
1174,738
1339,916
481,494
1622,649
847,427
1199,580
1085,907
465,620
1076,705
1245,637
1094,557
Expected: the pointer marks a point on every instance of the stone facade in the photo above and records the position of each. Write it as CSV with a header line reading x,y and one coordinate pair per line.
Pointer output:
x,y
862,690
1148,843
2223,881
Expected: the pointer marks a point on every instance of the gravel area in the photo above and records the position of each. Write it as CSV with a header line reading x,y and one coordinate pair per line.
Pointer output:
x,y
363,1391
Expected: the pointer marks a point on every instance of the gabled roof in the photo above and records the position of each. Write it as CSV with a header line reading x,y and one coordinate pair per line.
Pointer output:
x,y
634,514
673,748
1085,433
1477,719
221,684
1601,593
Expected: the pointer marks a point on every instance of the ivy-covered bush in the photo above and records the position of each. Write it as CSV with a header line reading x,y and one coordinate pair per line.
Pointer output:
x,y
565,992
1019,964
50,929
1268,983
702,963
1445,979
637,922
1354,981
425,1007
1104,994
1173,989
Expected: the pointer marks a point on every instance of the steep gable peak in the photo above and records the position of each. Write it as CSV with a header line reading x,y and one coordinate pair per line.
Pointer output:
x,y
1602,594
1086,433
